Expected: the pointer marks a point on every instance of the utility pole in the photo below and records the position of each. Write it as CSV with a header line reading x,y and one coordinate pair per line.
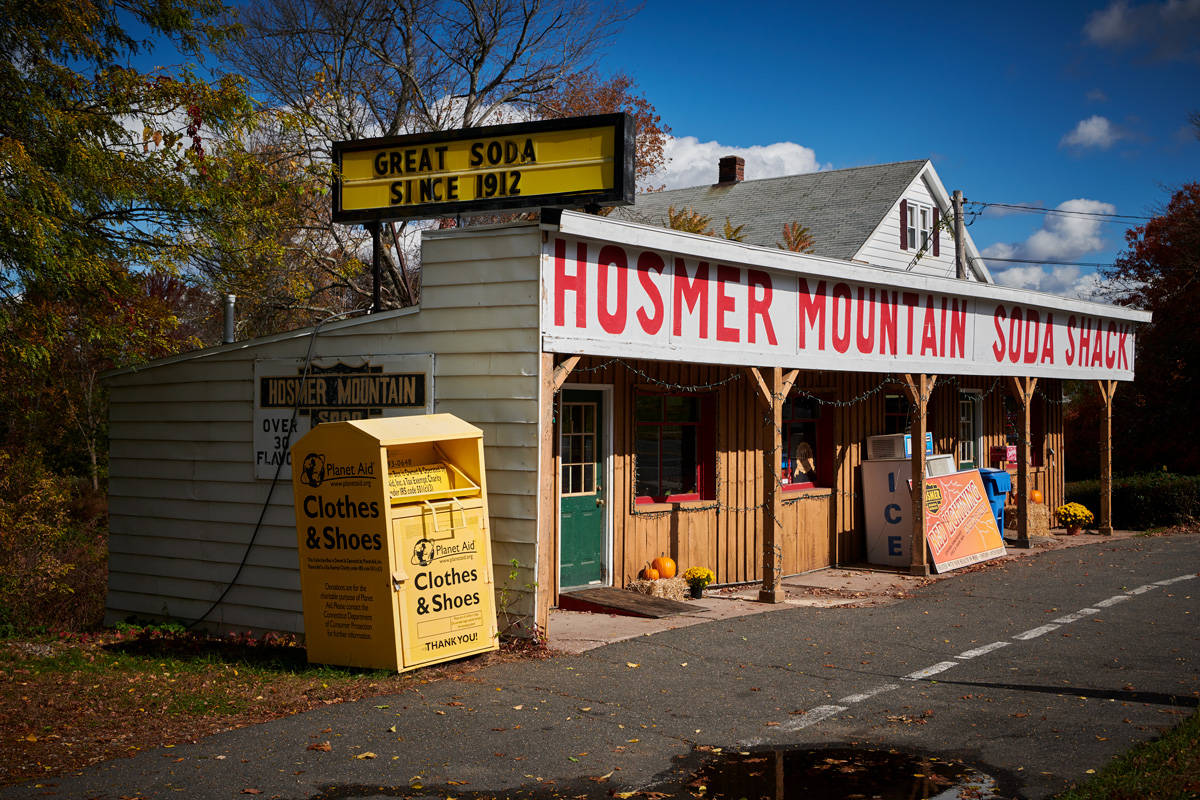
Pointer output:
x,y
960,267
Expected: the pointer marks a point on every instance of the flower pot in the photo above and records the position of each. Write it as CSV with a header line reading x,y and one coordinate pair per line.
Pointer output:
x,y
1073,530
697,591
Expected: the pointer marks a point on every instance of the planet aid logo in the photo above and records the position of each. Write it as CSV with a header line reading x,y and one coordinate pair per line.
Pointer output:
x,y
312,472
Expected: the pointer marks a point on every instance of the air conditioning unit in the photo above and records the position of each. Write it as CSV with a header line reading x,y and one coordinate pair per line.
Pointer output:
x,y
936,466
895,445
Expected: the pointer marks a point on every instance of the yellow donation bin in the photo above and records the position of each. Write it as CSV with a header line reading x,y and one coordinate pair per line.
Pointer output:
x,y
395,557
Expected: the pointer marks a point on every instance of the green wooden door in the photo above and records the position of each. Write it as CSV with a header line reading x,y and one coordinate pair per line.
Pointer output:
x,y
582,551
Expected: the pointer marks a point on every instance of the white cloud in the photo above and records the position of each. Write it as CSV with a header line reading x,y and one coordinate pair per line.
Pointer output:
x,y
1095,131
1063,281
1170,29
694,163
1062,237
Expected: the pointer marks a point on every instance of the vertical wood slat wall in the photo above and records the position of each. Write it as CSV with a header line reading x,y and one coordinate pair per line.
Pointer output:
x,y
819,528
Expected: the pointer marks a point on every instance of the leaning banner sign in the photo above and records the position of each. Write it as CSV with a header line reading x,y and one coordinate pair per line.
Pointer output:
x,y
959,525
571,162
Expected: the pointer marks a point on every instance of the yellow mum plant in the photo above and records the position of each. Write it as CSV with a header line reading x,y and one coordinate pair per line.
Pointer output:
x,y
699,576
1074,515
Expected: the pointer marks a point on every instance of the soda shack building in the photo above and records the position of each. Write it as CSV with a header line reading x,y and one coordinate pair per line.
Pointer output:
x,y
641,391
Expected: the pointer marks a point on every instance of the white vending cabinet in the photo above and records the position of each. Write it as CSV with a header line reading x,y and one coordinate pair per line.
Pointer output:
x,y
887,506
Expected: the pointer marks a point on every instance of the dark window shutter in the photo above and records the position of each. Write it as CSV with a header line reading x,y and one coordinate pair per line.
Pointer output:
x,y
903,224
937,231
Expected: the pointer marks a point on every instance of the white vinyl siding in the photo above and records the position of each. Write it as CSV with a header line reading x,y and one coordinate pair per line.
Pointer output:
x,y
882,247
183,497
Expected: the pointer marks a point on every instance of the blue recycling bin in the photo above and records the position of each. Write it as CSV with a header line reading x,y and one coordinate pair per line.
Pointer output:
x,y
997,483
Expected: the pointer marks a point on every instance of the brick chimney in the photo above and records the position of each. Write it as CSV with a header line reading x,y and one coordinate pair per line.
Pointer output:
x,y
731,169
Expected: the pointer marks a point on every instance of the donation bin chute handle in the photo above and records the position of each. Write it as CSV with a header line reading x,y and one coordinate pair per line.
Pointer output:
x,y
453,501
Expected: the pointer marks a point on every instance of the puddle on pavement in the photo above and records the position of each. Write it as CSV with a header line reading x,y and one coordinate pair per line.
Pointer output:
x,y
837,773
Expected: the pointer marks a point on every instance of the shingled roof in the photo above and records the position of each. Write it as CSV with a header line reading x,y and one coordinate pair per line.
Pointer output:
x,y
840,207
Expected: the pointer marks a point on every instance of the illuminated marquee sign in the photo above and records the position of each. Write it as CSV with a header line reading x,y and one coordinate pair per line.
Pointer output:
x,y
502,168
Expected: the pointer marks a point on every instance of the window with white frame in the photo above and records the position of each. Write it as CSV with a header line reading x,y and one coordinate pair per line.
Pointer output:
x,y
920,225
969,404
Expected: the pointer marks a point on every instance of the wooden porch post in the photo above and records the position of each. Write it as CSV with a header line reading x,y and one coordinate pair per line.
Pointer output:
x,y
547,525
1107,390
1022,389
772,390
918,389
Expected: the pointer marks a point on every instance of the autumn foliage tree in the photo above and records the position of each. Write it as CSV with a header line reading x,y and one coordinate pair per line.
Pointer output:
x,y
107,171
1156,419
584,93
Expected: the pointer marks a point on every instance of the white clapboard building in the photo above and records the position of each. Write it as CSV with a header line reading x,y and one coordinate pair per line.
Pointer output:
x,y
626,378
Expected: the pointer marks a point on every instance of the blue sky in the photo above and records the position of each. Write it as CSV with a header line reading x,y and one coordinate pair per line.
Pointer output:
x,y
1074,105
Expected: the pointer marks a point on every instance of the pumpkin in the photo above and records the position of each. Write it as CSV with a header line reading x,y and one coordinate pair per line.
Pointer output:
x,y
665,566
648,574
1035,496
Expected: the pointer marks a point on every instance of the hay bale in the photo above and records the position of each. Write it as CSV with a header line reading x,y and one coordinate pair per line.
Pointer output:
x,y
1039,519
669,588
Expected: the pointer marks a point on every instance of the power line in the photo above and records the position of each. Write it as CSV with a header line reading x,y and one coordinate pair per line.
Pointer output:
x,y
1059,212
1046,261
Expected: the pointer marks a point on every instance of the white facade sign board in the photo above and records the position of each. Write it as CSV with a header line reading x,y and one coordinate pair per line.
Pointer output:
x,y
620,299
337,388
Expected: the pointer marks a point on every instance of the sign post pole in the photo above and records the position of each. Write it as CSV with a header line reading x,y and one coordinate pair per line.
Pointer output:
x,y
376,269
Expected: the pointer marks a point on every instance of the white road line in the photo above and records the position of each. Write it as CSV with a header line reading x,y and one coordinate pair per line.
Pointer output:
x,y
1169,581
981,651
858,698
815,715
1078,615
1035,632
812,717
934,670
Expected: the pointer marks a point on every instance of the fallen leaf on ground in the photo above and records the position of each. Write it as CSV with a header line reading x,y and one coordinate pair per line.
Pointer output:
x,y
368,754
324,747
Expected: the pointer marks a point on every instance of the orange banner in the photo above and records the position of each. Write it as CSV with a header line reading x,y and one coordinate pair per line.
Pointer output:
x,y
959,524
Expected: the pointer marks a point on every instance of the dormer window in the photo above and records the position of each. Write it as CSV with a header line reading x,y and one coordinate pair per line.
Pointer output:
x,y
920,222
918,227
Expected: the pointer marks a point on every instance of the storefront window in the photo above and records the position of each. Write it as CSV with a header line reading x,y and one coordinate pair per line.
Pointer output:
x,y
897,417
1037,426
807,458
968,430
674,447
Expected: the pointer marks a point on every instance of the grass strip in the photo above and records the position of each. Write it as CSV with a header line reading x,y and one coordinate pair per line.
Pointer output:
x,y
1164,768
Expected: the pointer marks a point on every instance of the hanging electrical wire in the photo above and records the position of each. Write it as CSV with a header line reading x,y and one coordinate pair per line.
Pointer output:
x,y
1100,215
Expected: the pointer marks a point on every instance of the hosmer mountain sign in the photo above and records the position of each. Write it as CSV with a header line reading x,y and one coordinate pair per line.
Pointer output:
x,y
622,299
573,162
